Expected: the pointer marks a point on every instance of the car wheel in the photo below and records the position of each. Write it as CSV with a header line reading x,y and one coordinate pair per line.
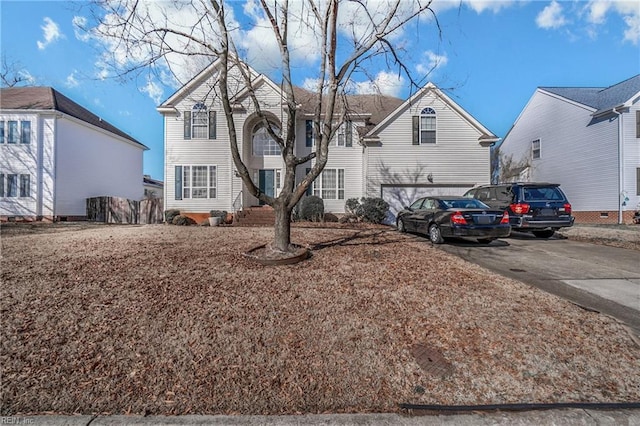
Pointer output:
x,y
435,235
547,233
400,226
485,240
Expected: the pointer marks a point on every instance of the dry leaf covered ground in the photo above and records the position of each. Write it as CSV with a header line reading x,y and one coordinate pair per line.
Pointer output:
x,y
174,320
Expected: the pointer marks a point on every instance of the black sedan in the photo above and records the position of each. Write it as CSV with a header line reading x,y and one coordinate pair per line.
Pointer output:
x,y
453,216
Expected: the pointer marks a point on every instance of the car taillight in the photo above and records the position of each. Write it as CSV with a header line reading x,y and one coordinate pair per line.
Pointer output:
x,y
458,219
566,208
520,208
505,218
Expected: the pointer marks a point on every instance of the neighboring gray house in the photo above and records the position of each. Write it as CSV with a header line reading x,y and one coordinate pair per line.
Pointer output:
x,y
153,188
387,148
54,154
587,140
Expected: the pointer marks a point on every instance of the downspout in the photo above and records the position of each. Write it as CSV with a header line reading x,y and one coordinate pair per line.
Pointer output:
x,y
620,165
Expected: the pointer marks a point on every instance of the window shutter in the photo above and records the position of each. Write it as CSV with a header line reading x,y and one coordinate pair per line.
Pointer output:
x,y
638,181
212,125
416,130
187,124
2,184
310,188
178,181
308,133
637,124
349,134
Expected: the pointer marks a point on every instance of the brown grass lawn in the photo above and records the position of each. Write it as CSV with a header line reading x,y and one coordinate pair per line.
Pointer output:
x,y
174,320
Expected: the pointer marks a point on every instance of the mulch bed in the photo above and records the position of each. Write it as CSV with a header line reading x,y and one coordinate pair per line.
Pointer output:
x,y
175,320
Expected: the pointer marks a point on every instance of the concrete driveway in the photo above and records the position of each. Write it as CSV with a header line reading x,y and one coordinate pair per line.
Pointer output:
x,y
601,278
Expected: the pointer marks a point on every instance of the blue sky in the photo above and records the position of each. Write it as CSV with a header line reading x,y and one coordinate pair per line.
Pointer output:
x,y
491,57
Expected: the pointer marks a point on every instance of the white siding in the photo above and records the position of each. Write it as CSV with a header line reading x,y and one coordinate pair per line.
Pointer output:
x,y
631,153
578,152
455,159
179,151
21,159
92,163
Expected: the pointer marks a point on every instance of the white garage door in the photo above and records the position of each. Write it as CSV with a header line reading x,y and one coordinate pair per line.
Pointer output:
x,y
400,196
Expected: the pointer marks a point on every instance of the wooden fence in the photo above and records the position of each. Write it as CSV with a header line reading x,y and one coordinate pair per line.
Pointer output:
x,y
122,210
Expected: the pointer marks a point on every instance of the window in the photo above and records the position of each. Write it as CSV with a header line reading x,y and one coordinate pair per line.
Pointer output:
x,y
345,134
25,185
25,132
15,185
199,123
535,149
308,133
263,143
13,132
195,182
330,185
17,132
424,127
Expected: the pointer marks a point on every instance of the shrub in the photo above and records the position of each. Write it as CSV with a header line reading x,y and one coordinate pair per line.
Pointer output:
x,y
181,220
374,210
311,208
352,205
170,214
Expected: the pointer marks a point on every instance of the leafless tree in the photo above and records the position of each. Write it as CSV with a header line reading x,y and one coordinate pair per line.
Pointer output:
x,y
348,33
11,74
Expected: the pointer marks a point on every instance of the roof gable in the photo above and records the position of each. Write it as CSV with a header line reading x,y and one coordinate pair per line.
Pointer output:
x,y
487,137
599,98
47,98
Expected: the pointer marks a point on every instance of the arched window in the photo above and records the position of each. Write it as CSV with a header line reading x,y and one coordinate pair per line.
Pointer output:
x,y
263,143
428,126
200,121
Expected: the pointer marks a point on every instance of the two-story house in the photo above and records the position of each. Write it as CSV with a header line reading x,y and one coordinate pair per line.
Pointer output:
x,y
54,154
386,148
587,139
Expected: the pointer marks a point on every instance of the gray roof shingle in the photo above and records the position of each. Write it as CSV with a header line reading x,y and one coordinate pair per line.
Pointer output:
x,y
600,98
47,98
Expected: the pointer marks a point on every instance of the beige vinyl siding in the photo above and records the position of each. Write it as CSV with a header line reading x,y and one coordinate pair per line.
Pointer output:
x,y
578,152
455,158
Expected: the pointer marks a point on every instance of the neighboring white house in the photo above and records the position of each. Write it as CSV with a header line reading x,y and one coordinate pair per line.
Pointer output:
x,y
587,140
387,148
54,154
153,188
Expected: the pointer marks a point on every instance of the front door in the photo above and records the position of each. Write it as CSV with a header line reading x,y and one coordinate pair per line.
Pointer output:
x,y
266,182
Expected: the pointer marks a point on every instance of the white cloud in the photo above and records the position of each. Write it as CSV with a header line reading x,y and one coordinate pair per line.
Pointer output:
x,y
491,5
51,32
71,80
433,62
598,10
386,83
551,16
80,28
153,90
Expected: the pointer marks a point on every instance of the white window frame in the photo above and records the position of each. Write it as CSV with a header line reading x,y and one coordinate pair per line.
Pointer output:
x,y
199,121
321,188
21,187
535,142
207,189
21,134
428,116
269,145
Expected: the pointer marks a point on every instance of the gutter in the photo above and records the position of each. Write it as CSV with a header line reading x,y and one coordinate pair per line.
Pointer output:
x,y
620,164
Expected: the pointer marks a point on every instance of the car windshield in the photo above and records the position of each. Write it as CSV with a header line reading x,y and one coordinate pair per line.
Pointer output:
x,y
542,193
467,203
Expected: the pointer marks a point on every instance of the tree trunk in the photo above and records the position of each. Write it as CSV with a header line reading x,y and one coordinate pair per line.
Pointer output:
x,y
282,237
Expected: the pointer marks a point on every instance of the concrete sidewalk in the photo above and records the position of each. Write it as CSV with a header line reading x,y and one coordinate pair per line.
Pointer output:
x,y
561,417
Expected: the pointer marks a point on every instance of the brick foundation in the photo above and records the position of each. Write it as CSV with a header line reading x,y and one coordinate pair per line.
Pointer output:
x,y
603,217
